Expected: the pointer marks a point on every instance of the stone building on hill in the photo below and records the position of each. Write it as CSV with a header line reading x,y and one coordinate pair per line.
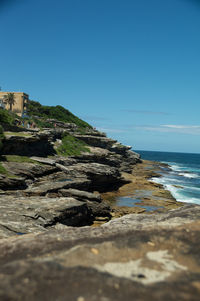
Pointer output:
x,y
19,106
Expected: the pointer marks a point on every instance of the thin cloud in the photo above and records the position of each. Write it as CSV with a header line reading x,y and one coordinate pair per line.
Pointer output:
x,y
146,112
171,128
110,130
94,118
174,126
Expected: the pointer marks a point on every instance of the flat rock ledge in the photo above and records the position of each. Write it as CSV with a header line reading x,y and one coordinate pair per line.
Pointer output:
x,y
136,257
31,215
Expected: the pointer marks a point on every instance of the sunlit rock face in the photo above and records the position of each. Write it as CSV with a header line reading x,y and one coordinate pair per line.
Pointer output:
x,y
135,256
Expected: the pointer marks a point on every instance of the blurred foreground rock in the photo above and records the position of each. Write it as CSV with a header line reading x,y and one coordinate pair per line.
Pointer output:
x,y
136,257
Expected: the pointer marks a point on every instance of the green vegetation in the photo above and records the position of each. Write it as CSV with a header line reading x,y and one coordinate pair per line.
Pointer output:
x,y
82,131
34,108
1,137
41,123
21,134
19,159
38,115
7,117
3,170
14,158
71,146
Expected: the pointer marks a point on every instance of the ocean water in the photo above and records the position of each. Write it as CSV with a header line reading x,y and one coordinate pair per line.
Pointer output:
x,y
182,178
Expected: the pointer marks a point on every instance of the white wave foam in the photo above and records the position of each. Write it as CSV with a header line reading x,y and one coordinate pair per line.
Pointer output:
x,y
192,188
176,192
166,180
182,167
189,175
171,179
180,197
159,180
171,163
175,167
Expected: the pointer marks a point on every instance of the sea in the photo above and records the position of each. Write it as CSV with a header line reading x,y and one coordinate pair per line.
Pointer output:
x,y
182,178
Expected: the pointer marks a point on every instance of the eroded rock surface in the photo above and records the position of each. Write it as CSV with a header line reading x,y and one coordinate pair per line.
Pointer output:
x,y
136,257
101,166
55,177
21,215
34,145
29,170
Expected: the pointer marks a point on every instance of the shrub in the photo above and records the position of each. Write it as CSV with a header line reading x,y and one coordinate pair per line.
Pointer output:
x,y
1,137
42,123
3,170
58,112
6,117
71,146
19,159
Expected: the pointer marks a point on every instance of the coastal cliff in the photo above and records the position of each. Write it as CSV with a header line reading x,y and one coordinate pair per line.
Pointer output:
x,y
56,185
44,186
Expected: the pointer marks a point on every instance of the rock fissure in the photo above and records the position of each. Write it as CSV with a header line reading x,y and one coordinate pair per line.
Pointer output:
x,y
9,228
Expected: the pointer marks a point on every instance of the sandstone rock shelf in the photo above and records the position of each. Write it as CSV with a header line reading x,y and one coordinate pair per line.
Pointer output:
x,y
130,258
42,180
48,251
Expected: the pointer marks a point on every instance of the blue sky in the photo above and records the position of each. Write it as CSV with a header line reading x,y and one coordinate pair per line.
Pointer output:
x,y
130,68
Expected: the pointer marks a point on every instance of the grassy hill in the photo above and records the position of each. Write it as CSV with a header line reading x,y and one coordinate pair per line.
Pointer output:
x,y
39,114
58,112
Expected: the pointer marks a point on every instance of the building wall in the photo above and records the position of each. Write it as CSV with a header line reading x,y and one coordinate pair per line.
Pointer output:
x,y
20,100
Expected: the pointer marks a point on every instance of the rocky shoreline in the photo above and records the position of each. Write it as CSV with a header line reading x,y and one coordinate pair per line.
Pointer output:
x,y
48,249
44,189
141,194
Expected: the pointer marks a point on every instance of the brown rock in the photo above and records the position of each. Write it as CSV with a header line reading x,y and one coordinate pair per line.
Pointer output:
x,y
20,215
136,257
